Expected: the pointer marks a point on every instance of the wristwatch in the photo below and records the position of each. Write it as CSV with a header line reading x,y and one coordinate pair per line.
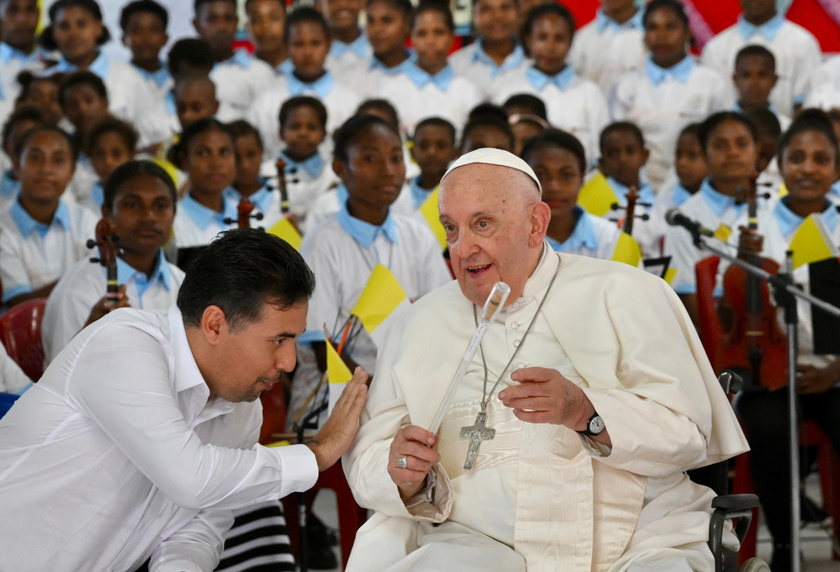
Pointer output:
x,y
595,426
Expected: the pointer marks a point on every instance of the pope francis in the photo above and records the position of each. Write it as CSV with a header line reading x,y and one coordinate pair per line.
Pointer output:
x,y
566,443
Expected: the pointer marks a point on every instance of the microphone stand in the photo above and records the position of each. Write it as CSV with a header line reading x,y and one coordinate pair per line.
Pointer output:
x,y
785,295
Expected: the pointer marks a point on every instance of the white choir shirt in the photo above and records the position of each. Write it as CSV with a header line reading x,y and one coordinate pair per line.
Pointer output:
x,y
196,225
240,80
369,78
83,284
796,50
661,102
158,126
572,102
825,93
13,61
119,454
331,202
473,63
603,49
33,255
711,209
418,95
306,182
344,58
83,183
264,113
12,378
592,236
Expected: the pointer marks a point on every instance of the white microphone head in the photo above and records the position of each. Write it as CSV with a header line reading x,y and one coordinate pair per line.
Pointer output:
x,y
497,298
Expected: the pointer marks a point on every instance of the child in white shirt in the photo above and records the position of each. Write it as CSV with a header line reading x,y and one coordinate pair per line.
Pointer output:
x,y
18,49
266,23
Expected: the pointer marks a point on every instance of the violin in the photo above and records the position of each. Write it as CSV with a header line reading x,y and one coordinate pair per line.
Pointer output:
x,y
243,214
754,342
630,216
281,186
106,240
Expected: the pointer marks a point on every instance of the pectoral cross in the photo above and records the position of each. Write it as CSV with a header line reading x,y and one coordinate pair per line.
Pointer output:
x,y
477,433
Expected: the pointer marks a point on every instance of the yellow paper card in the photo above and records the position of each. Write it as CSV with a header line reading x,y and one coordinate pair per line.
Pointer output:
x,y
597,197
811,243
381,296
627,250
287,231
337,370
430,212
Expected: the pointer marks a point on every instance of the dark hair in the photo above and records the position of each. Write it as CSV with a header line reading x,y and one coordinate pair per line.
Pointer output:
x,y
809,120
542,10
833,115
240,271
438,8
765,121
24,140
492,121
675,6
197,4
382,105
47,39
713,121
755,50
555,138
138,6
241,128
19,115
483,109
617,126
308,15
249,2
436,122
303,101
532,103
81,78
178,152
131,169
692,129
194,52
353,128
111,125
403,6
26,79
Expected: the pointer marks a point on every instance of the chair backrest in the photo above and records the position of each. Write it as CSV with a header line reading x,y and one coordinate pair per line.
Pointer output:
x,y
274,413
711,333
20,332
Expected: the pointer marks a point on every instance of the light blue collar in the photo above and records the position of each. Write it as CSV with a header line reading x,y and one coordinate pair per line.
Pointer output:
x,y
583,235
160,77
204,217
9,186
99,66
646,194
313,165
768,30
604,22
834,193
418,193
365,233
442,79
126,272
97,193
719,202
26,224
240,58
261,198
737,107
376,64
680,195
539,79
285,67
513,60
679,71
789,221
359,47
170,104
320,87
9,54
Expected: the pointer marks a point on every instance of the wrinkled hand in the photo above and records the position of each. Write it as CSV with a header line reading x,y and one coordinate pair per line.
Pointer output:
x,y
341,427
103,306
545,396
815,379
416,445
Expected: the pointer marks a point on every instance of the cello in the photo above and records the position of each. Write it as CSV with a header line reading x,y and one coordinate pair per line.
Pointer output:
x,y
754,343
106,241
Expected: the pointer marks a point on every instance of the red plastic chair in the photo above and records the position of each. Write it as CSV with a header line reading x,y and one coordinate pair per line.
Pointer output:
x,y
20,332
274,413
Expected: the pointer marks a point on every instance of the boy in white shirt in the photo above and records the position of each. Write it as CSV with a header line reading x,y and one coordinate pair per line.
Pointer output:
x,y
266,23
18,49
350,47
754,77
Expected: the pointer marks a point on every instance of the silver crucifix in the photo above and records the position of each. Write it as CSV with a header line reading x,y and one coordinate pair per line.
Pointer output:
x,y
477,433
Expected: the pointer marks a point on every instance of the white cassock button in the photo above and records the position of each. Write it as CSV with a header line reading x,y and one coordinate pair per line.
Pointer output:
x,y
515,325
516,343
521,366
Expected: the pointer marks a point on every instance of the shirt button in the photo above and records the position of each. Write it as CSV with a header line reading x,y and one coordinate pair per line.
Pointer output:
x,y
521,366
515,325
516,343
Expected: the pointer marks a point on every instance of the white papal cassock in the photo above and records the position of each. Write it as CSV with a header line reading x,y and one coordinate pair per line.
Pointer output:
x,y
560,500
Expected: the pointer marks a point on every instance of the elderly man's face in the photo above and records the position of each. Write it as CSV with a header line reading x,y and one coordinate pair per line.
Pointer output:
x,y
495,225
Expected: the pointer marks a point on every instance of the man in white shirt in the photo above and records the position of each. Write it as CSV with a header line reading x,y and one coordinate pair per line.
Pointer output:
x,y
140,438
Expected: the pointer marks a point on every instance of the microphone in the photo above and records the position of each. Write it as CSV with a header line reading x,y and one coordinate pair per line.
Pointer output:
x,y
675,218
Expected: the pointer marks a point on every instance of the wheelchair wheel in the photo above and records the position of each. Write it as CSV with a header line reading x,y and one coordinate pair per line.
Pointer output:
x,y
755,565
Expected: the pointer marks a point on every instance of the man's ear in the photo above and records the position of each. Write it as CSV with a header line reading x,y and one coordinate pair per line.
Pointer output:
x,y
540,216
213,324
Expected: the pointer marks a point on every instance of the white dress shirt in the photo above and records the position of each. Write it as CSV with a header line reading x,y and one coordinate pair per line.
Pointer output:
x,y
119,454
197,225
240,80
473,63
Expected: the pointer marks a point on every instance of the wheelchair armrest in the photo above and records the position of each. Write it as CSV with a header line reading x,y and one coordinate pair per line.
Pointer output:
x,y
735,502
728,507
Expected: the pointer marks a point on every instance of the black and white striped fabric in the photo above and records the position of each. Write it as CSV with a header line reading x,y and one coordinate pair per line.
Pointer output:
x,y
258,541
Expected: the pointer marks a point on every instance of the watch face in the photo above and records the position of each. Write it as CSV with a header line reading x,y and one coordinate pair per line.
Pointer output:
x,y
596,425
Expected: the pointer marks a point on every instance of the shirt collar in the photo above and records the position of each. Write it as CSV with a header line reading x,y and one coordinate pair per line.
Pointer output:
x,y
285,67
681,195
513,60
737,107
97,193
604,22
418,193
646,194
421,79
679,71
358,47
363,232
583,235
716,201
8,54
320,87
261,198
126,272
202,216
376,64
539,79
239,58
789,221
8,185
170,104
99,66
26,224
313,166
768,30
160,77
